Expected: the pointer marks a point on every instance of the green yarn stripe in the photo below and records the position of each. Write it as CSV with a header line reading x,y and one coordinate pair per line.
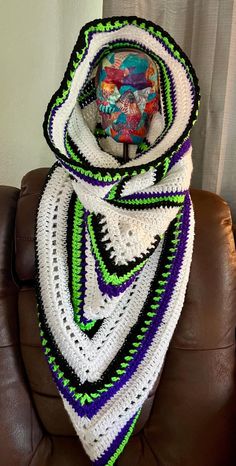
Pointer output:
x,y
77,266
112,193
124,441
84,95
70,151
152,200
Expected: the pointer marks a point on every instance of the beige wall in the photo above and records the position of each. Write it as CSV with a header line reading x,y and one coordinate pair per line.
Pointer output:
x,y
37,37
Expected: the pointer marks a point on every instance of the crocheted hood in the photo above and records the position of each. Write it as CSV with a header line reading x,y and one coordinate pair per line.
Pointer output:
x,y
72,121
114,240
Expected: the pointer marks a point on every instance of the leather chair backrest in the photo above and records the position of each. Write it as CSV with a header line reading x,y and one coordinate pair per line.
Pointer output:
x,y
191,421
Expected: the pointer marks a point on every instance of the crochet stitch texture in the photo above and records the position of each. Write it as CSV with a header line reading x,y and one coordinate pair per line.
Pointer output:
x,y
114,241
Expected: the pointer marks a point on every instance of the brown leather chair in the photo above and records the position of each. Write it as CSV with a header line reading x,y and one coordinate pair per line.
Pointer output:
x,y
192,421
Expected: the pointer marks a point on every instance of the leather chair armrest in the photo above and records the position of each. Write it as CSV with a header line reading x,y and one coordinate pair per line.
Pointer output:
x,y
20,431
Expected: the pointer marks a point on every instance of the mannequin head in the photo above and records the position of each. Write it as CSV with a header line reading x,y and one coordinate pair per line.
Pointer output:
x,y
127,84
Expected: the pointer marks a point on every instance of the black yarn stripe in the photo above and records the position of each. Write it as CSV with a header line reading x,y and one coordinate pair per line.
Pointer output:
x,y
159,174
87,93
145,206
144,141
89,100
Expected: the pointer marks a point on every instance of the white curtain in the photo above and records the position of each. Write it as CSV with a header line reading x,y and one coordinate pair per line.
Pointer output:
x,y
206,30
37,38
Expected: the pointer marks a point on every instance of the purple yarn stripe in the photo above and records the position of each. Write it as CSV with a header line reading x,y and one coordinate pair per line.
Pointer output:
x,y
53,113
113,290
180,153
91,409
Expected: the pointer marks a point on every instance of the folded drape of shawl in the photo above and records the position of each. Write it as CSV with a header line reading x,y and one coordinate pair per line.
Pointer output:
x,y
114,241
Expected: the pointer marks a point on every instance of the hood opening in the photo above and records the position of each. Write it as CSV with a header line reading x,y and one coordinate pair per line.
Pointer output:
x,y
86,102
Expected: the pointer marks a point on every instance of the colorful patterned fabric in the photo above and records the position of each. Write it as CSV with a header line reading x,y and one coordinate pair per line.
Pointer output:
x,y
127,94
114,240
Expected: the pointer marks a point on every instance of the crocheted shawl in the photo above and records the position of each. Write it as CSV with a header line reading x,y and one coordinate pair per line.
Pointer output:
x,y
114,241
